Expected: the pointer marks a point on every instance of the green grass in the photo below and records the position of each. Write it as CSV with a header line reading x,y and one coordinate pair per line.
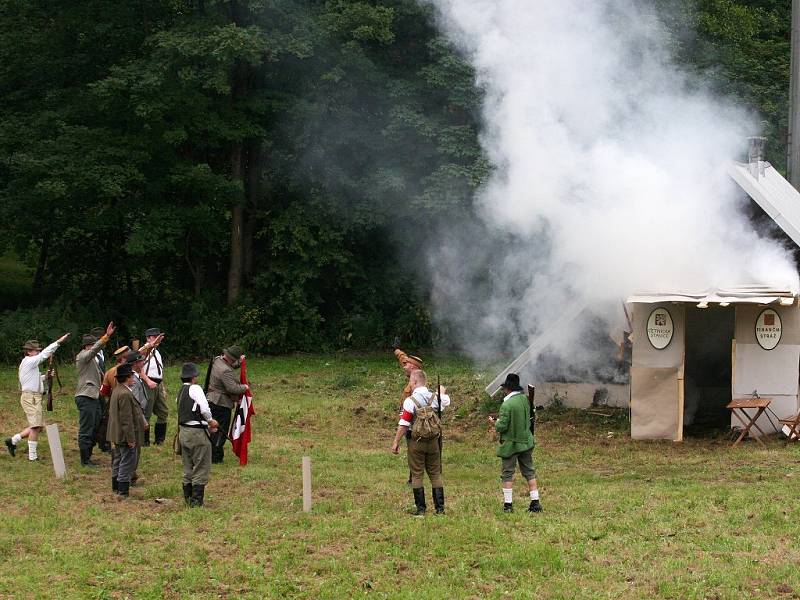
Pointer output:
x,y
622,519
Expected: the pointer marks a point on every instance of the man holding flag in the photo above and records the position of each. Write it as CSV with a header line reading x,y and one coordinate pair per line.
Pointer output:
x,y
240,429
224,391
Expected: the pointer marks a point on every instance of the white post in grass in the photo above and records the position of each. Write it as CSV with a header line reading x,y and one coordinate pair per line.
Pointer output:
x,y
306,484
54,441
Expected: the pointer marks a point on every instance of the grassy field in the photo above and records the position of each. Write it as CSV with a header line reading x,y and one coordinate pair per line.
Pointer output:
x,y
622,519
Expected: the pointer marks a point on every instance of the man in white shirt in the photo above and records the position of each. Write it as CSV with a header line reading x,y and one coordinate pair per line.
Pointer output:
x,y
32,390
424,454
195,422
156,394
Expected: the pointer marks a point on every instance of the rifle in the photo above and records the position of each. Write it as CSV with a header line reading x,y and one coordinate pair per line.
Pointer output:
x,y
50,374
439,415
531,395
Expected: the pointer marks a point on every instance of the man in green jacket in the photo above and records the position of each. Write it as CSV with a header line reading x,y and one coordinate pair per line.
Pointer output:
x,y
516,442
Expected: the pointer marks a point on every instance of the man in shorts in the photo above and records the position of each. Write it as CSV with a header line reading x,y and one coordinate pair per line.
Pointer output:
x,y
30,382
516,443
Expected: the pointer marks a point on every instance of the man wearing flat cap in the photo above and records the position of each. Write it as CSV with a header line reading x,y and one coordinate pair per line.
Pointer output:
x,y
32,390
87,393
194,424
156,394
224,391
125,431
516,443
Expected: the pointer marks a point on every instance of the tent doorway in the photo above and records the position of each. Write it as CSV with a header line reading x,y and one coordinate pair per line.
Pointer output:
x,y
707,374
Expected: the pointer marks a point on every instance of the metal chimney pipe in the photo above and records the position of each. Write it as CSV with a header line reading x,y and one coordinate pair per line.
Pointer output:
x,y
755,155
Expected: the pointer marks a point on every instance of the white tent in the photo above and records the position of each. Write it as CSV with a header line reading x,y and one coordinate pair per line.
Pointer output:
x,y
777,371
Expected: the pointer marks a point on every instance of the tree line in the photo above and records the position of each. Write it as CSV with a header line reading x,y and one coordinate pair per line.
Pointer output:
x,y
268,172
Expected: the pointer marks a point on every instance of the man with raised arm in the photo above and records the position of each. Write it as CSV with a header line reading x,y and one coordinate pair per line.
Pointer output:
x,y
32,390
87,393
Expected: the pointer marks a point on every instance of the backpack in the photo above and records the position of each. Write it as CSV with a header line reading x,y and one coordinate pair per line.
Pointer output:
x,y
426,422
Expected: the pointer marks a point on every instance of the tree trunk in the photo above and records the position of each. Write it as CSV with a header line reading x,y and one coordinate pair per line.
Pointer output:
x,y
252,191
41,266
237,221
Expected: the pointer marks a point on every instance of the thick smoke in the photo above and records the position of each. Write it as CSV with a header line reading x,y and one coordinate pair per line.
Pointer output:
x,y
610,172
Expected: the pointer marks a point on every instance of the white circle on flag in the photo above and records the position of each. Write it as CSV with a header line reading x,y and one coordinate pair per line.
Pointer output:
x,y
660,328
768,329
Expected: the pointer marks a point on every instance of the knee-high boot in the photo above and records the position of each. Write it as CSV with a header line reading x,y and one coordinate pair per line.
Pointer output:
x,y
438,500
419,501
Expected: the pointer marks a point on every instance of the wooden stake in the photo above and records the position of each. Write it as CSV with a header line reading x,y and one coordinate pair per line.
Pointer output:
x,y
54,441
306,484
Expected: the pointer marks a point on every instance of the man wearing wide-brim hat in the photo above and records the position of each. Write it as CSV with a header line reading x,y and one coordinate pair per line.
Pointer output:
x,y
516,443
87,393
32,390
194,424
224,391
125,431
106,388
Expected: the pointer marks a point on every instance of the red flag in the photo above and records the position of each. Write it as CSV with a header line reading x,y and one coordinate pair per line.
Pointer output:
x,y
240,431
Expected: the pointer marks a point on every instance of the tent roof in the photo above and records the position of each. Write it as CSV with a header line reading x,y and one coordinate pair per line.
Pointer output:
x,y
771,192
744,294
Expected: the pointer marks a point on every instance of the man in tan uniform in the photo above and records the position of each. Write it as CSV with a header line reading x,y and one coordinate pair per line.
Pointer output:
x,y
409,363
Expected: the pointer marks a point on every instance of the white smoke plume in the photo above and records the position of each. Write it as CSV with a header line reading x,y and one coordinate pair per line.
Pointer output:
x,y
610,169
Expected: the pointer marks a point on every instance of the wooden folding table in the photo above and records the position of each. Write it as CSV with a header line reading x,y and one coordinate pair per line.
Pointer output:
x,y
738,408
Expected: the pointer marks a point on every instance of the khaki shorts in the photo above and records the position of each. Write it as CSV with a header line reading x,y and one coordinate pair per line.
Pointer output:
x,y
31,403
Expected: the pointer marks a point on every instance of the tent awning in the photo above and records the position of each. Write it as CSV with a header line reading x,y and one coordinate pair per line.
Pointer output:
x,y
746,294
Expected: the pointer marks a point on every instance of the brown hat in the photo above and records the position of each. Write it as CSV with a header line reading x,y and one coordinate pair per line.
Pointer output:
x,y
414,360
88,339
31,345
234,352
120,350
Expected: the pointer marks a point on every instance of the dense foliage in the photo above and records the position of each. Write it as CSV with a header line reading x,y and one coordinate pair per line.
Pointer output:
x,y
266,171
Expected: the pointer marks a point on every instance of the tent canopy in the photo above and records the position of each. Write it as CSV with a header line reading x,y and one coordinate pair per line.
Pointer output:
x,y
744,294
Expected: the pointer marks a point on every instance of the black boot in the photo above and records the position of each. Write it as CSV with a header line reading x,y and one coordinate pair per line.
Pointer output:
x,y
124,488
535,506
114,485
12,448
86,458
161,433
187,493
146,437
438,500
419,502
198,491
508,507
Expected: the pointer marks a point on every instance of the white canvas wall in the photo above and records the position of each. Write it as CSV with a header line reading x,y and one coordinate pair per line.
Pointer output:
x,y
772,373
656,411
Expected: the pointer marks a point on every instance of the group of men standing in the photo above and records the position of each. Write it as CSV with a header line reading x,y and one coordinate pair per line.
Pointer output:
x,y
115,406
424,444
